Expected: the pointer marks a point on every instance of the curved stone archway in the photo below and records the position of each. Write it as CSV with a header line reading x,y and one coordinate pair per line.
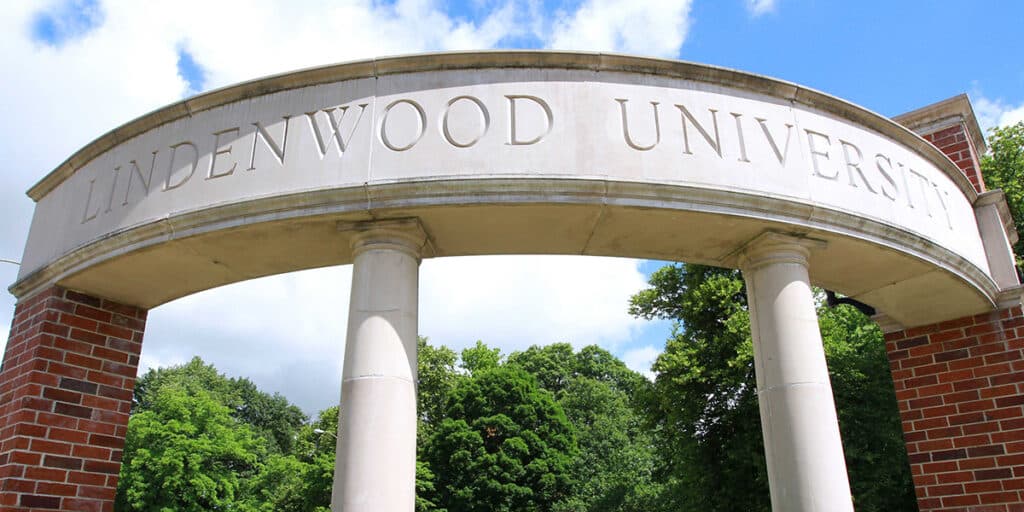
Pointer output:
x,y
380,163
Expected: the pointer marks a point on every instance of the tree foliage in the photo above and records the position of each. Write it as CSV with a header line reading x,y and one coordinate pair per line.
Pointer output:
x,y
612,471
271,416
549,428
703,407
185,453
504,445
1003,168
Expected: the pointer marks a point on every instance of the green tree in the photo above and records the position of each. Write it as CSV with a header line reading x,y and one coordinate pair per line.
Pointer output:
x,y
271,416
614,464
1003,167
479,357
300,481
504,445
704,410
613,469
437,376
703,407
185,453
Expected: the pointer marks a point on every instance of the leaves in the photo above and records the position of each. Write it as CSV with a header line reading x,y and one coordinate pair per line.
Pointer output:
x,y
504,445
549,428
703,407
186,453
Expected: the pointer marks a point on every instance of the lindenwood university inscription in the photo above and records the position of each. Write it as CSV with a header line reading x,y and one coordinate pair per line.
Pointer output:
x,y
756,143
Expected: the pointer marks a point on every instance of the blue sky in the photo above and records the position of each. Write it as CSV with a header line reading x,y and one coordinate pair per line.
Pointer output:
x,y
80,68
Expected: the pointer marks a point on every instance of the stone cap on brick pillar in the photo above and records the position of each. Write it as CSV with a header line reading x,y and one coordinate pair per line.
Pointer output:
x,y
952,127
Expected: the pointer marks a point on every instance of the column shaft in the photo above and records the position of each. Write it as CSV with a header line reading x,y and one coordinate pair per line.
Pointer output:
x,y
376,458
804,452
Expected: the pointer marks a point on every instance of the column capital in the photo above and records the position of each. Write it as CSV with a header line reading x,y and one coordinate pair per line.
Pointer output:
x,y
772,247
405,234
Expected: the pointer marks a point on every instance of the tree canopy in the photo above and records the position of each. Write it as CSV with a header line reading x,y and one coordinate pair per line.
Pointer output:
x,y
549,428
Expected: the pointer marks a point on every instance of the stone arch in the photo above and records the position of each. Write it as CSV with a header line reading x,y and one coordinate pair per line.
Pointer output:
x,y
380,163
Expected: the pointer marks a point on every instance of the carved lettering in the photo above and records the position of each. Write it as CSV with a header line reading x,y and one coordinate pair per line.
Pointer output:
x,y
217,151
339,142
942,202
922,182
887,176
485,117
779,155
815,153
145,180
513,131
853,166
739,135
170,165
625,127
421,118
465,120
113,187
715,144
269,142
906,185
86,216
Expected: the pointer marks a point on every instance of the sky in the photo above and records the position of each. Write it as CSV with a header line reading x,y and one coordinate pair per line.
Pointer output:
x,y
78,68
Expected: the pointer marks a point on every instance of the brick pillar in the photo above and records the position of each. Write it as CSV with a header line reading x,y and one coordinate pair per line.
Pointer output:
x,y
960,387
65,394
951,126
956,143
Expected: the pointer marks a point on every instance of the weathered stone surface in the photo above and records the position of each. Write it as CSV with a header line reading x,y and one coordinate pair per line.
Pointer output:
x,y
517,152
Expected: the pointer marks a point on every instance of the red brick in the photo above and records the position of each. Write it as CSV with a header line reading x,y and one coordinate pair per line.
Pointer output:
x,y
91,363
999,497
960,501
83,478
93,312
67,435
46,474
68,376
52,488
40,502
977,463
86,324
982,487
85,505
979,405
95,452
957,477
96,466
945,490
95,492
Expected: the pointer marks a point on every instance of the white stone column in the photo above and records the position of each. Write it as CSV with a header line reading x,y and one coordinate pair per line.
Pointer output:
x,y
376,459
806,468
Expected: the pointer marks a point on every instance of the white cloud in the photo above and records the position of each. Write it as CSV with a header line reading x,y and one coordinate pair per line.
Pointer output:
x,y
286,332
513,302
996,112
240,41
647,27
760,7
640,359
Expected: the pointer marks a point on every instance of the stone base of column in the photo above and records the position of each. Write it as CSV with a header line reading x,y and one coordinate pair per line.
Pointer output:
x,y
960,388
65,394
